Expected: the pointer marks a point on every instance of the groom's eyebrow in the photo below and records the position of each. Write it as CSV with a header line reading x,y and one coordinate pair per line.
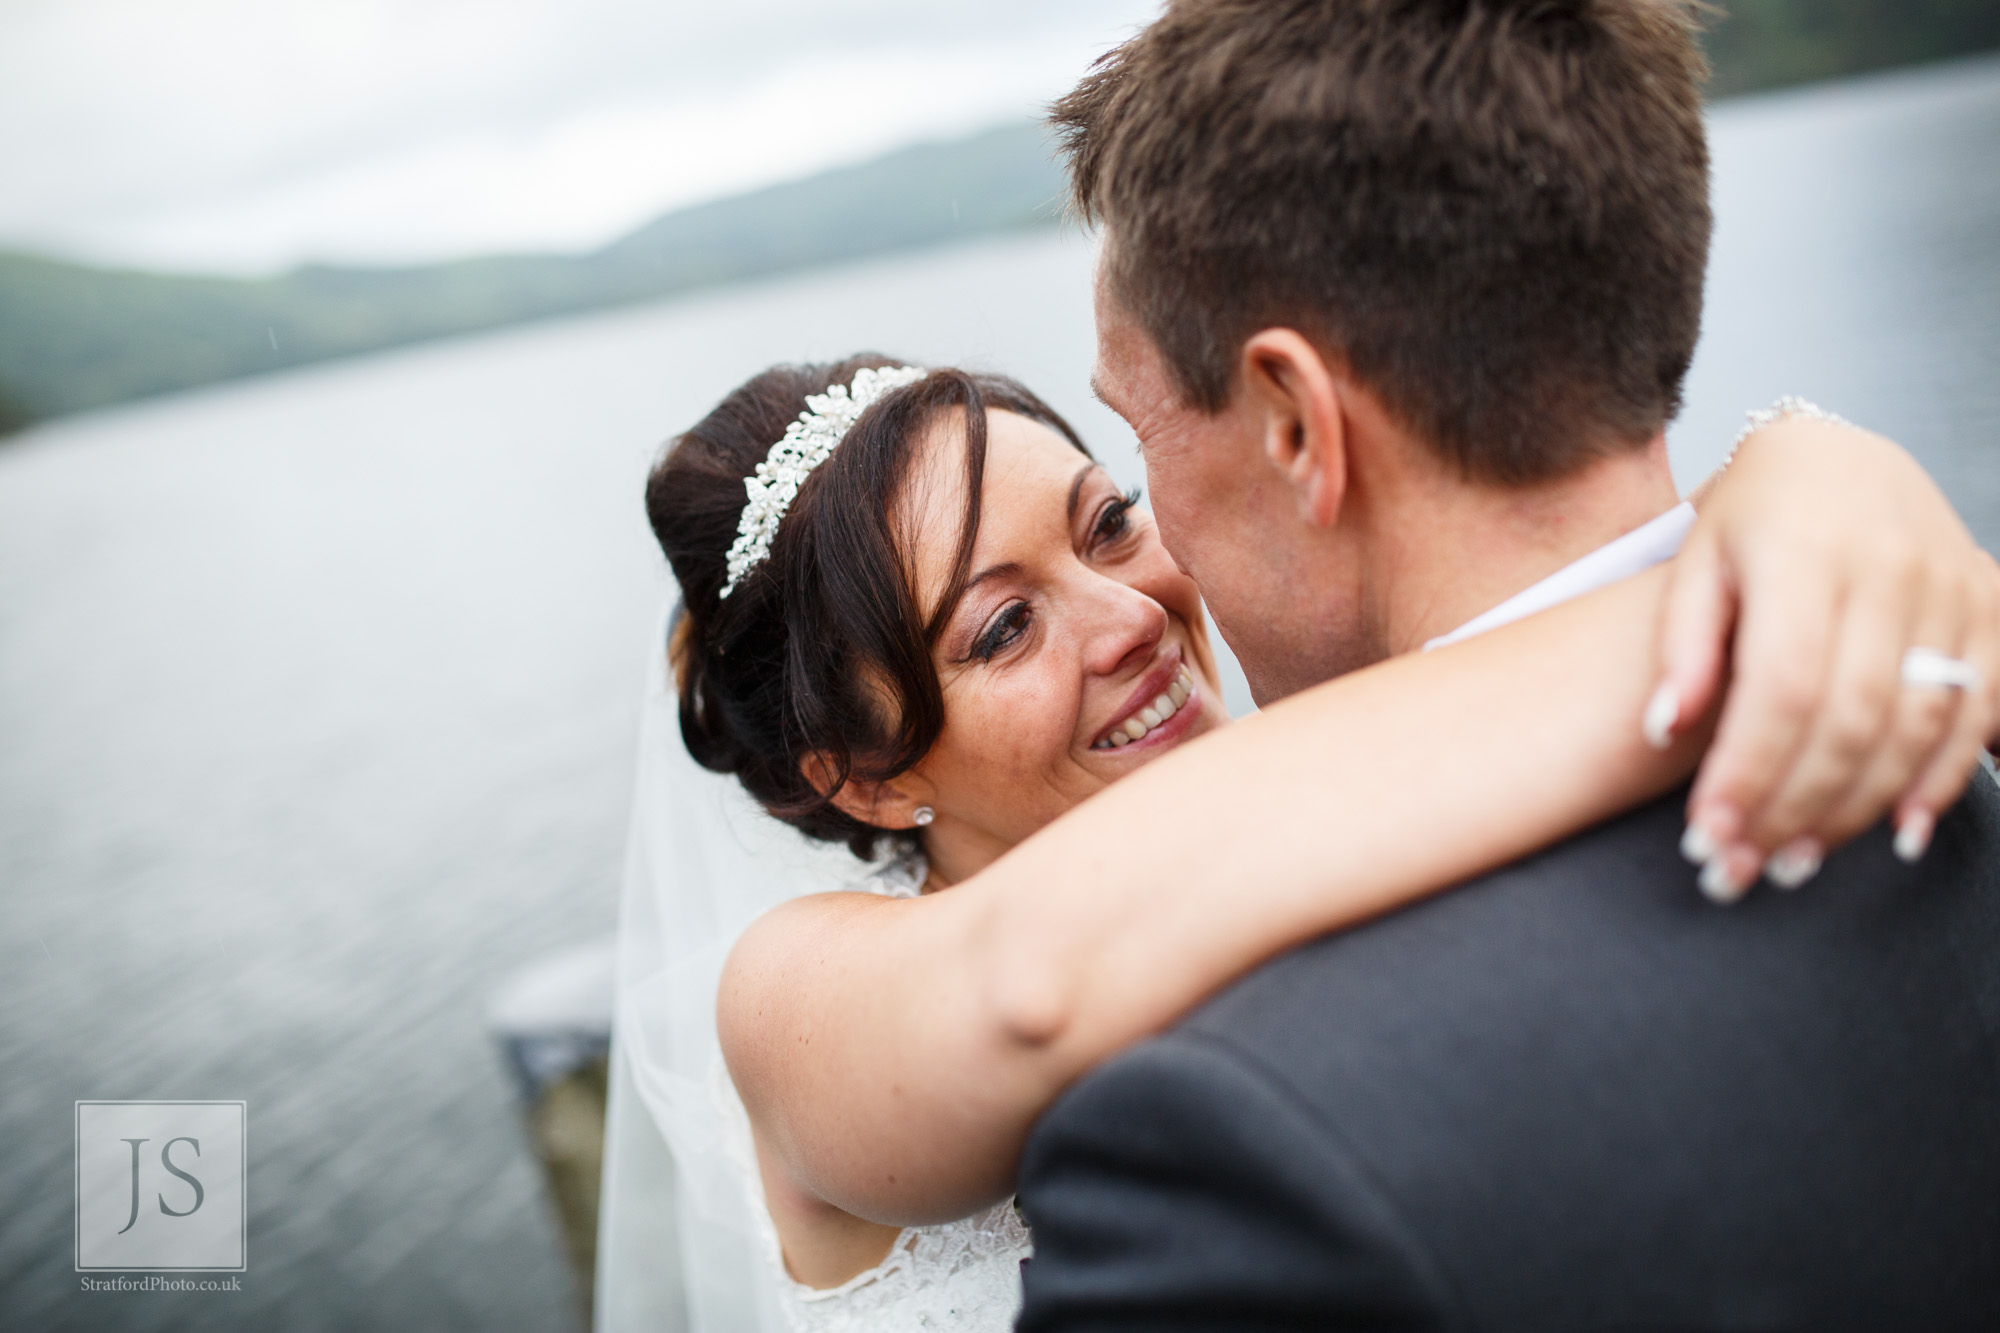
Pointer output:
x,y
1097,392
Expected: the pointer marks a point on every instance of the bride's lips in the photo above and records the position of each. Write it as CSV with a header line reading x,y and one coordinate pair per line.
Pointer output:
x,y
1160,680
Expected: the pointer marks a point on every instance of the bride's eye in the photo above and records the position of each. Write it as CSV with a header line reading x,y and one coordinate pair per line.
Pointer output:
x,y
1114,520
1006,628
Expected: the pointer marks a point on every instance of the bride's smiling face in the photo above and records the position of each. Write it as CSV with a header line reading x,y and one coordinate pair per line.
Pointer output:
x,y
1077,652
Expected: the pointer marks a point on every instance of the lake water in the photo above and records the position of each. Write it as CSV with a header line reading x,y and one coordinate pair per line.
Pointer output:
x,y
317,693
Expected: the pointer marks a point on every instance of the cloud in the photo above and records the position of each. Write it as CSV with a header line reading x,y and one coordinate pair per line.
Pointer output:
x,y
250,134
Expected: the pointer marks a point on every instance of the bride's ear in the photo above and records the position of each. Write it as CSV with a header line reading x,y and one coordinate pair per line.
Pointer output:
x,y
1297,398
892,804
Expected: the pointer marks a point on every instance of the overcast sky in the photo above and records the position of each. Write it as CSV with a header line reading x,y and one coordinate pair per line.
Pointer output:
x,y
246,135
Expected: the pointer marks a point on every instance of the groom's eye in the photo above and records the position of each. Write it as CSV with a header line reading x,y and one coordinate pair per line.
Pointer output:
x,y
1009,626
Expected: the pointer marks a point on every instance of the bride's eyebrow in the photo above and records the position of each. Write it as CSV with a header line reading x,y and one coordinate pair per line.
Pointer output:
x,y
1012,568
1076,487
1003,571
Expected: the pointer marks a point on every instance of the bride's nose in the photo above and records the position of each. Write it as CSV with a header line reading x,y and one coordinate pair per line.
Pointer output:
x,y
1125,628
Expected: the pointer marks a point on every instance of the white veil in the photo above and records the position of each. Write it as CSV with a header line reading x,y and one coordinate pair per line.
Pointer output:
x,y
704,861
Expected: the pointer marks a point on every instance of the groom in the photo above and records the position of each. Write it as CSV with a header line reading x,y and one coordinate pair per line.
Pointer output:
x,y
1398,296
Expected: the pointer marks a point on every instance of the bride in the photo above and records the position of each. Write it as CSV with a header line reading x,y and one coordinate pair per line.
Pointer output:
x,y
935,629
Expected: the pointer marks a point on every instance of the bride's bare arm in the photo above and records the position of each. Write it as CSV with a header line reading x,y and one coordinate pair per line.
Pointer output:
x,y
894,1053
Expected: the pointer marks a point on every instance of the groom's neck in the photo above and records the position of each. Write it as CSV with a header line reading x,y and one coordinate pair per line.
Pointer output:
x,y
1448,551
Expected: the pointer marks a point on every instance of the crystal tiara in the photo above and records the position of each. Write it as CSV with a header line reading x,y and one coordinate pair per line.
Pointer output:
x,y
807,443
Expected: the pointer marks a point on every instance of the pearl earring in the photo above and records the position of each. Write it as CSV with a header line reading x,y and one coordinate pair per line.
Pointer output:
x,y
924,815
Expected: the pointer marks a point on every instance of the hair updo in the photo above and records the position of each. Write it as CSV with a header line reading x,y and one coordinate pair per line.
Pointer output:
x,y
824,649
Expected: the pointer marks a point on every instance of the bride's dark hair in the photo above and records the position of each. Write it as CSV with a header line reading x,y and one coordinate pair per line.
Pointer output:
x,y
823,651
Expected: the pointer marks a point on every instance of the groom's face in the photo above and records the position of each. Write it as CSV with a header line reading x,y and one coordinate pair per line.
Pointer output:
x,y
1224,514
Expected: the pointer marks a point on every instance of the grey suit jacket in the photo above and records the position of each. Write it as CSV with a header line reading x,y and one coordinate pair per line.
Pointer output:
x,y
1570,1095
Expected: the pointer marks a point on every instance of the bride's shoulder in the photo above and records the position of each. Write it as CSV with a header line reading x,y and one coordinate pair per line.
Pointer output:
x,y
897,878
761,990
811,911
784,925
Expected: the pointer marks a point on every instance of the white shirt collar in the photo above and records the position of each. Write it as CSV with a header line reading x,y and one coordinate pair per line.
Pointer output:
x,y
1649,544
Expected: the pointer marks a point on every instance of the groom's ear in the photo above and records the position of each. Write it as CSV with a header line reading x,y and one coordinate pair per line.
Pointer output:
x,y
1296,397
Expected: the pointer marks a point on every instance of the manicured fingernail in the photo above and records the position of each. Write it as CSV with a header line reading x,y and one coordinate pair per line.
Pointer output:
x,y
1663,711
1698,845
1719,884
1913,836
1794,863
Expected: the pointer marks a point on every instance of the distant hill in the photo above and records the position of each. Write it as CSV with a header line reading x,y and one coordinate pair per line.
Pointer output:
x,y
1759,44
74,337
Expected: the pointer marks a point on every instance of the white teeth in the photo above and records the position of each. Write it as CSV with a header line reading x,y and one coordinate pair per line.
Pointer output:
x,y
1163,707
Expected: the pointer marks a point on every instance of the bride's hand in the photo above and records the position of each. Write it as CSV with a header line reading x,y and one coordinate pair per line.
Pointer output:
x,y
1826,553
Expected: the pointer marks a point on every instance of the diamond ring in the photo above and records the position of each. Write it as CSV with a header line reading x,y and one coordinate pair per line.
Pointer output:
x,y
1928,666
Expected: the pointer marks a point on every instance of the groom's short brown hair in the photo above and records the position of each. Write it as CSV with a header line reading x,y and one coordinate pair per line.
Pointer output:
x,y
1495,211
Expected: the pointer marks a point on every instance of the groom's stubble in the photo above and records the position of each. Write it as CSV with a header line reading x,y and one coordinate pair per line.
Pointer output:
x,y
1289,609
1412,550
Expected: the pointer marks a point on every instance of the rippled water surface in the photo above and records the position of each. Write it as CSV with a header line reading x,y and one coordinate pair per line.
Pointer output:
x,y
317,693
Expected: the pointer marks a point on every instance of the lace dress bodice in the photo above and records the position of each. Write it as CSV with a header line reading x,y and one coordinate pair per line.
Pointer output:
x,y
963,1276
956,1277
